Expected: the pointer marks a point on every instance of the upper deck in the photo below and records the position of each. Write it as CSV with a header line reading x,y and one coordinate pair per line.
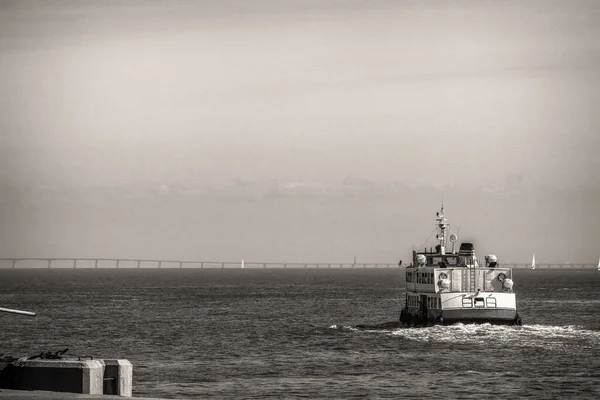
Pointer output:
x,y
458,279
437,270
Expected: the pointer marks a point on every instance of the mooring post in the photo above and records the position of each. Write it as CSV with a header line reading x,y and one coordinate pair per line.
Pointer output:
x,y
14,263
74,263
159,264
180,264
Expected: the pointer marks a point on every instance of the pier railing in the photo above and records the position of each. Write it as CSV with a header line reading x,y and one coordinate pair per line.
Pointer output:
x,y
123,263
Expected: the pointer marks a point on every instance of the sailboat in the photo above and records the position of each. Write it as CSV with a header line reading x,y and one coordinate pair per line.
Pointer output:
x,y
598,264
533,262
242,263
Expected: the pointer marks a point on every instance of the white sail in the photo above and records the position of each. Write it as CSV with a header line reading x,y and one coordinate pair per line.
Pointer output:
x,y
242,263
533,262
598,264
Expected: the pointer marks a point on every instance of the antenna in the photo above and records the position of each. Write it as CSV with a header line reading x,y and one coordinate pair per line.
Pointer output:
x,y
442,201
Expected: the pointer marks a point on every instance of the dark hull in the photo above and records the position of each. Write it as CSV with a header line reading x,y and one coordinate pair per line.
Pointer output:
x,y
479,321
462,316
482,316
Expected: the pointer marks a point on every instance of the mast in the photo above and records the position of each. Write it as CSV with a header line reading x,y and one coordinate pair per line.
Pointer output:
x,y
442,226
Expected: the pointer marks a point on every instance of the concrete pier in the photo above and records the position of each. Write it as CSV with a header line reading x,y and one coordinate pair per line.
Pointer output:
x,y
72,376
94,377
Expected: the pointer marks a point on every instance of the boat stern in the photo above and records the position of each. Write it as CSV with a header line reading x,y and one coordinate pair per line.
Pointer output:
x,y
498,308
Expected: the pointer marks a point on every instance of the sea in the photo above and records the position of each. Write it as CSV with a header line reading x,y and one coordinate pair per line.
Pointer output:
x,y
294,333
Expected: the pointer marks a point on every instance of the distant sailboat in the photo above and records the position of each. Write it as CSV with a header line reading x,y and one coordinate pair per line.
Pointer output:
x,y
533,262
243,263
598,264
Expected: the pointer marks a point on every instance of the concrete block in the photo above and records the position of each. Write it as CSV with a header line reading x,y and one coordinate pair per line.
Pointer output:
x,y
75,376
118,377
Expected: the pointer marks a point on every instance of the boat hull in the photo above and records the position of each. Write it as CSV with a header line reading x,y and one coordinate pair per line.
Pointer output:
x,y
483,316
451,317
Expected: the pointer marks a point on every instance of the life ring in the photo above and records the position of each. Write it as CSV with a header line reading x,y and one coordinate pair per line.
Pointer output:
x,y
443,275
501,277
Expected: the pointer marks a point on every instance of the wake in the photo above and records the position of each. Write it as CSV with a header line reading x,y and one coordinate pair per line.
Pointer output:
x,y
525,336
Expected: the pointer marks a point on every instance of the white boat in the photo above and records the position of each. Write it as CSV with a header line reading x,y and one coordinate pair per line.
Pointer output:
x,y
598,264
452,287
533,262
242,265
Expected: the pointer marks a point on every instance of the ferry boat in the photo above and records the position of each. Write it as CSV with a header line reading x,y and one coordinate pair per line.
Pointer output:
x,y
448,287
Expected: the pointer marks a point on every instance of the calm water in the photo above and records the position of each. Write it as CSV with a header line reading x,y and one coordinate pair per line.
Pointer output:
x,y
291,333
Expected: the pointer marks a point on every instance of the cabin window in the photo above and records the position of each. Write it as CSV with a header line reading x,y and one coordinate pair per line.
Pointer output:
x,y
467,303
490,302
479,302
451,260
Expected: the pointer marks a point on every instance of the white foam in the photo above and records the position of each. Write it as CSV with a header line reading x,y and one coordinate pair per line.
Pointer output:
x,y
525,336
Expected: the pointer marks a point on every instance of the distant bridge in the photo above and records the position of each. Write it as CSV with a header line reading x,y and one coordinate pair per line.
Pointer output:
x,y
126,263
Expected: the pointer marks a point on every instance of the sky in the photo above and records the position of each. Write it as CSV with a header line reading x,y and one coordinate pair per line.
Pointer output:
x,y
299,131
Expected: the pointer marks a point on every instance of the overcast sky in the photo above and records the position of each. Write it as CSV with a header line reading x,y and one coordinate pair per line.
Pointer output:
x,y
298,130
